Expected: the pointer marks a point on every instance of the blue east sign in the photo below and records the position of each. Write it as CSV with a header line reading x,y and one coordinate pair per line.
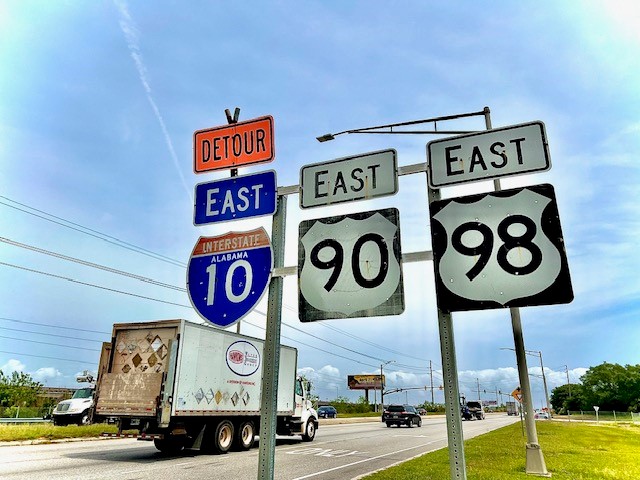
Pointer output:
x,y
235,198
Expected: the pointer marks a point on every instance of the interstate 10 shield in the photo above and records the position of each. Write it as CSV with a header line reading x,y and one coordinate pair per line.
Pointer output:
x,y
227,275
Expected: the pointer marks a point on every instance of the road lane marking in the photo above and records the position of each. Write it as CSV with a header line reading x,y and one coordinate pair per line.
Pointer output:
x,y
367,460
325,452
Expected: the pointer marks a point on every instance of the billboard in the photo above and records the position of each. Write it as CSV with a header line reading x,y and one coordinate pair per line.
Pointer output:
x,y
365,382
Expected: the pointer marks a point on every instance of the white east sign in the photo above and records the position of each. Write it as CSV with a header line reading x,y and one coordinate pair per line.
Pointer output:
x,y
360,177
500,152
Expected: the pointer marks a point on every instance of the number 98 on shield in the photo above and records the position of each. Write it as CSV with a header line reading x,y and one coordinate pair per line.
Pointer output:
x,y
500,249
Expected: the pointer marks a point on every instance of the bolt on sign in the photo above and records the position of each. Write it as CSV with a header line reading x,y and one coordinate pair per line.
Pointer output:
x,y
499,249
500,152
359,177
350,266
235,145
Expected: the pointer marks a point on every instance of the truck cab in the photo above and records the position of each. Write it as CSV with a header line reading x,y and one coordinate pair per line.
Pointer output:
x,y
304,411
75,410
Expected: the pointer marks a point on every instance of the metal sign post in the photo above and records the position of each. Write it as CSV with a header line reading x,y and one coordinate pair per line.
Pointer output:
x,y
535,463
271,355
457,462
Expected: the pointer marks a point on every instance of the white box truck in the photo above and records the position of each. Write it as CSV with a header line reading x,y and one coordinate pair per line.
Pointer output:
x,y
185,385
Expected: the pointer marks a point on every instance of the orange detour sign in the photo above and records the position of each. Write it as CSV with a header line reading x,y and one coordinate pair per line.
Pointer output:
x,y
231,146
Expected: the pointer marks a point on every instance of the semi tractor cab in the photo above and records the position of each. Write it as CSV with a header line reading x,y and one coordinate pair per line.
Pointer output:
x,y
77,410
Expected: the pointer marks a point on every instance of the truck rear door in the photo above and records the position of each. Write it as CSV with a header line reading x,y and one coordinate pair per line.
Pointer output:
x,y
133,382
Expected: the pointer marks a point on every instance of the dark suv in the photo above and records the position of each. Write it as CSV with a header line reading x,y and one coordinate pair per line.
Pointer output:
x,y
401,415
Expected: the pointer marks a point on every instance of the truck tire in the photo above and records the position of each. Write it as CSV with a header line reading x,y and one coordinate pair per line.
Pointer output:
x,y
245,435
223,437
309,431
84,418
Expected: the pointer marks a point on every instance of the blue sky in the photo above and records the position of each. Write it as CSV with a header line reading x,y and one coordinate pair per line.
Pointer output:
x,y
98,108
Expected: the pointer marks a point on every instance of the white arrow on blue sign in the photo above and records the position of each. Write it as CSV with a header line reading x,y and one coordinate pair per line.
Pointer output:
x,y
233,198
227,275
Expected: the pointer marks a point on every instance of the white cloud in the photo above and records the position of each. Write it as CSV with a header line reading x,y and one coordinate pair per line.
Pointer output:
x,y
13,365
43,375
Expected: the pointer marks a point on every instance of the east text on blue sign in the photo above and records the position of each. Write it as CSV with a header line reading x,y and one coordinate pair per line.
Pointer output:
x,y
234,198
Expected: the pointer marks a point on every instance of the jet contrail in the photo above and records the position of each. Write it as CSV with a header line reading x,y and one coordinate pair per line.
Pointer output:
x,y
128,27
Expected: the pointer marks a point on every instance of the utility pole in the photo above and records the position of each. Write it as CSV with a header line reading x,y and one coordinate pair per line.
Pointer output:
x,y
382,384
478,384
566,369
544,382
431,380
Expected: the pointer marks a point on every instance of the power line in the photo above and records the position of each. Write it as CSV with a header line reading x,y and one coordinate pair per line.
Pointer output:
x,y
53,326
90,264
135,248
96,234
83,362
92,285
51,335
313,346
48,343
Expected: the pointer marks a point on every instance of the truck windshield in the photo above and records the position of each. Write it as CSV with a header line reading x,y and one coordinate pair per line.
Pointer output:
x,y
83,393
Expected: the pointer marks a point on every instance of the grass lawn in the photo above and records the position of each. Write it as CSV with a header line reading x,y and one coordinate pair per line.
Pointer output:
x,y
48,431
572,451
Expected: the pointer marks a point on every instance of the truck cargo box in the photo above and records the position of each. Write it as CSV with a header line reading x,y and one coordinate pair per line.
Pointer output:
x,y
205,371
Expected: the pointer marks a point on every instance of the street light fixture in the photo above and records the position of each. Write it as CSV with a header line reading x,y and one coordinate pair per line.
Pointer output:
x,y
379,128
537,353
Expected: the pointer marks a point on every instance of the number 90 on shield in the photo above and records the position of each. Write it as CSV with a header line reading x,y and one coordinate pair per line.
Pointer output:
x,y
350,266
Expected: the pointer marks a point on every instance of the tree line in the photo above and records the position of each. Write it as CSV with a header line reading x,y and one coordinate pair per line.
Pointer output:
x,y
610,386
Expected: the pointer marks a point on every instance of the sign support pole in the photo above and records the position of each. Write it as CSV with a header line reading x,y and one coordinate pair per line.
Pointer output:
x,y
457,462
271,355
535,464
234,171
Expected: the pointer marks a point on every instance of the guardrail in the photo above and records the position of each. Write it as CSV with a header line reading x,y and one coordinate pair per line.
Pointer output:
x,y
25,420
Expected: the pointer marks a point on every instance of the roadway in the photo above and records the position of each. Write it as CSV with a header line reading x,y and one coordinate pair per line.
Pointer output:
x,y
339,451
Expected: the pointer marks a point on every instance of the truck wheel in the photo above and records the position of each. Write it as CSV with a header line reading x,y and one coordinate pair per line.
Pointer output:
x,y
309,431
419,422
223,436
244,436
388,424
84,419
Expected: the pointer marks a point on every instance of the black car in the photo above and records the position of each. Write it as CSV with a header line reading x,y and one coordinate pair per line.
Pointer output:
x,y
401,415
327,411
